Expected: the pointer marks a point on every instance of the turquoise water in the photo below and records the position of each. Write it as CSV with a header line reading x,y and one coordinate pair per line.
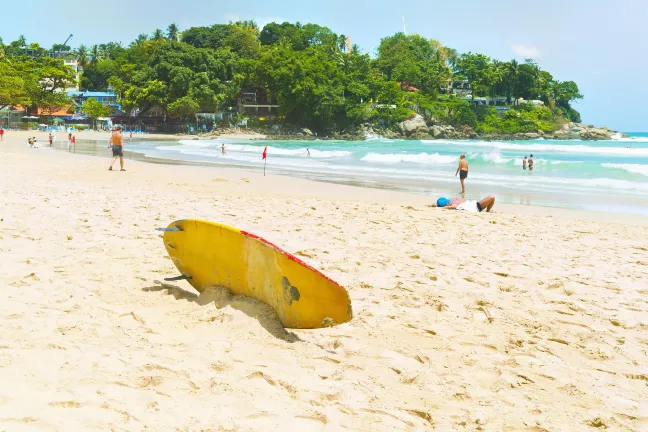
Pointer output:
x,y
604,175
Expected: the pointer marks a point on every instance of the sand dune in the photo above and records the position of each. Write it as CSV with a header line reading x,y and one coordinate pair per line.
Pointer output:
x,y
507,321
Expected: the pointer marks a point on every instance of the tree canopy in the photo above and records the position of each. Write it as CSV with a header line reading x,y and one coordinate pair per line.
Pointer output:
x,y
307,69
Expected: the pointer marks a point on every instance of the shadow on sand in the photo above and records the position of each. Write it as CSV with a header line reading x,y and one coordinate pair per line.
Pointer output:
x,y
222,298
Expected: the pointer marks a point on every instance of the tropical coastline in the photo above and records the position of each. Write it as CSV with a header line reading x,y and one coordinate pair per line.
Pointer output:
x,y
171,205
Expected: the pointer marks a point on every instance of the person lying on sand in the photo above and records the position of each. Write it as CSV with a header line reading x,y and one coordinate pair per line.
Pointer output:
x,y
467,205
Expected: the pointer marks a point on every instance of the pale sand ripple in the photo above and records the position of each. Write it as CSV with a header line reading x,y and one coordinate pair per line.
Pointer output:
x,y
504,321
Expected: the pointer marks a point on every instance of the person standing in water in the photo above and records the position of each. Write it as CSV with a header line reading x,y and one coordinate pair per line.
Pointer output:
x,y
223,149
462,170
531,163
524,163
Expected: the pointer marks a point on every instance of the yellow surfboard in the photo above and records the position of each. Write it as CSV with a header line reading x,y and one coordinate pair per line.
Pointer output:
x,y
209,254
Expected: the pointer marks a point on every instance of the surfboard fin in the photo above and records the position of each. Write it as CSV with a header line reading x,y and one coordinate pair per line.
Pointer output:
x,y
178,278
175,228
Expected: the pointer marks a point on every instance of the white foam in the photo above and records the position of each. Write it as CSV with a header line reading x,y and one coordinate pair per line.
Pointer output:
x,y
537,148
494,156
618,137
421,158
631,168
259,149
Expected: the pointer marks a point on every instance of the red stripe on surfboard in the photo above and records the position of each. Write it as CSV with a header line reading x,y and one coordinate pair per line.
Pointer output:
x,y
289,255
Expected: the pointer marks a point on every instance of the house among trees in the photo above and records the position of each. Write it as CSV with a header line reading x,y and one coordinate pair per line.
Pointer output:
x,y
255,101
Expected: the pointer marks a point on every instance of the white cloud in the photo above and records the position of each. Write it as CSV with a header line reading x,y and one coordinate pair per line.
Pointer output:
x,y
525,51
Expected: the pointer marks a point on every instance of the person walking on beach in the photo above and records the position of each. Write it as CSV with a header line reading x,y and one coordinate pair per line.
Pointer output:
x,y
524,163
51,139
117,145
531,163
462,170
1,134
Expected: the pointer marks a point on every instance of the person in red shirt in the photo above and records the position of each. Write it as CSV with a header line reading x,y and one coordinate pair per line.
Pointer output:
x,y
1,134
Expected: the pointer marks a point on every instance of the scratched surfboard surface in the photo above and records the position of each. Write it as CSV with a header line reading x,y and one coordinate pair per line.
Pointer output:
x,y
212,254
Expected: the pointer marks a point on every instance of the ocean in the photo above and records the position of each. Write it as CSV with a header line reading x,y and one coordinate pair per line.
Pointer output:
x,y
598,176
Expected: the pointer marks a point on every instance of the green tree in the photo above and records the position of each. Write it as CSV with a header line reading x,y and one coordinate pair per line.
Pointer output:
x,y
476,69
95,55
158,35
566,92
173,32
184,108
46,80
96,76
139,41
415,60
82,55
13,90
94,110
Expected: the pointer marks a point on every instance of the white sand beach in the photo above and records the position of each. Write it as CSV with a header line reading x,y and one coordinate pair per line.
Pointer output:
x,y
525,319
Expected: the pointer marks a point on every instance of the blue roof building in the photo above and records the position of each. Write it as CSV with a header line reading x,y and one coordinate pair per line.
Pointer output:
x,y
107,98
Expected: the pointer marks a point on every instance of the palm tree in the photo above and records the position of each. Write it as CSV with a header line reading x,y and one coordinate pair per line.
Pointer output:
x,y
342,42
82,55
158,35
510,78
140,40
103,51
94,55
173,32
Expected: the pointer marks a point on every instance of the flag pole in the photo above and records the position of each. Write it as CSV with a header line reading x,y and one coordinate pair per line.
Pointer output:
x,y
265,159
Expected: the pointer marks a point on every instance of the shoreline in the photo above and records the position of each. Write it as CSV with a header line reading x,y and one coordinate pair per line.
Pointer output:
x,y
548,200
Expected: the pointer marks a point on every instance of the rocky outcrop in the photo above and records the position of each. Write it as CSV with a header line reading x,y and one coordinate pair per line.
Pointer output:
x,y
579,131
413,126
442,131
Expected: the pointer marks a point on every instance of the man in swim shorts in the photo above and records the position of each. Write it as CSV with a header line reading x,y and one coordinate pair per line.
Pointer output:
x,y
462,170
467,205
117,145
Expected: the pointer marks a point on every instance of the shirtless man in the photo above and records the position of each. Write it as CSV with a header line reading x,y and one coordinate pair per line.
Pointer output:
x,y
531,163
462,170
117,145
467,205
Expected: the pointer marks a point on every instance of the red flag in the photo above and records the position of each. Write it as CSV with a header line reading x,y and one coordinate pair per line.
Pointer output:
x,y
265,151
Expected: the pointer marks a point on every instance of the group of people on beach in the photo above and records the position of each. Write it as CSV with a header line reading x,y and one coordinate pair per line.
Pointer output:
x,y
470,205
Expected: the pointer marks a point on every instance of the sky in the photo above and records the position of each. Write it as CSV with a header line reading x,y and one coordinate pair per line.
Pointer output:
x,y
600,44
